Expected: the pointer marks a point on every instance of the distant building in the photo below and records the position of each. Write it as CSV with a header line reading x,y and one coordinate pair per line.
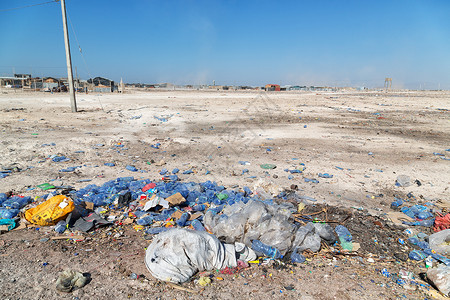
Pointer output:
x,y
22,76
102,85
272,87
50,83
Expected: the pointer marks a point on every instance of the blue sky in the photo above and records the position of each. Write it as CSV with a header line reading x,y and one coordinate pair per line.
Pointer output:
x,y
341,43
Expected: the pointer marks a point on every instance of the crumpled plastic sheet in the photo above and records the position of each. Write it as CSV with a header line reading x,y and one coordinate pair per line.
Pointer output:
x,y
440,242
255,220
177,254
311,235
269,223
440,277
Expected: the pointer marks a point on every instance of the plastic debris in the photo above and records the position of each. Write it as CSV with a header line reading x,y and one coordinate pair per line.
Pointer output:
x,y
403,181
69,279
440,277
131,168
441,222
268,166
440,242
325,175
177,254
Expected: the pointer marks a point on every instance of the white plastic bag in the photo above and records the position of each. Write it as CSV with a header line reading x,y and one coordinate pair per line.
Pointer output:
x,y
440,277
254,221
177,254
440,242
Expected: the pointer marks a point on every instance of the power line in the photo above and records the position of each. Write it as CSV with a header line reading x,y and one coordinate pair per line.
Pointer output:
x,y
79,47
82,56
31,5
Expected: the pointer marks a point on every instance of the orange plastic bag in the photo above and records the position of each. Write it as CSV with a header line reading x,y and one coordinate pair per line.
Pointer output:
x,y
51,211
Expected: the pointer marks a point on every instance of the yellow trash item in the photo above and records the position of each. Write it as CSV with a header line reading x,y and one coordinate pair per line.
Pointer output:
x,y
51,211
204,281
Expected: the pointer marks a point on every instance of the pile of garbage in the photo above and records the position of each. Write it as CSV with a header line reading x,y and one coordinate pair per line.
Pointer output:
x,y
204,226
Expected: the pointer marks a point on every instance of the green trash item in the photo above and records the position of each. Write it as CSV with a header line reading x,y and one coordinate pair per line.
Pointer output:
x,y
9,222
268,166
46,186
222,196
346,245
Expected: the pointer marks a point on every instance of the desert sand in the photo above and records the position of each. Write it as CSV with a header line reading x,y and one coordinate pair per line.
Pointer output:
x,y
364,139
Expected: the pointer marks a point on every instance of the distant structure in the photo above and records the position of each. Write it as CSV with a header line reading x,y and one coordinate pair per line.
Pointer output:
x,y
102,85
272,87
121,86
388,83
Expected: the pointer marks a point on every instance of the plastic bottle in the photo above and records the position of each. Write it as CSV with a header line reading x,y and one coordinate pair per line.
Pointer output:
x,y
429,262
173,177
410,232
131,168
183,219
413,240
297,257
417,255
247,191
437,257
197,225
132,206
201,199
3,198
199,207
6,213
260,247
145,221
16,202
156,230
425,223
343,232
423,245
441,258
407,211
61,226
424,215
325,175
396,204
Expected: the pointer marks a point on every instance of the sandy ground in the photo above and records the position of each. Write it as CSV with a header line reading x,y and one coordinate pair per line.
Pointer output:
x,y
364,139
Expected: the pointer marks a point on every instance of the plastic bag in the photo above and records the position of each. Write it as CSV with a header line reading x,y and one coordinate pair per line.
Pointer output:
x,y
51,211
255,220
440,277
177,254
307,238
440,242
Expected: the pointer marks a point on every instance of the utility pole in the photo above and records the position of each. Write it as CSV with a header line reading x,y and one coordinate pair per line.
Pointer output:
x,y
73,103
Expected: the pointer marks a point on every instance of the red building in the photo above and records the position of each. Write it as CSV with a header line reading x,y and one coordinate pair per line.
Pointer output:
x,y
272,87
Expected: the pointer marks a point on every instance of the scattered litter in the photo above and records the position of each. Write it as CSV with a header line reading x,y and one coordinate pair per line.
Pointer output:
x,y
177,254
131,168
325,175
69,279
51,211
403,181
268,166
45,186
